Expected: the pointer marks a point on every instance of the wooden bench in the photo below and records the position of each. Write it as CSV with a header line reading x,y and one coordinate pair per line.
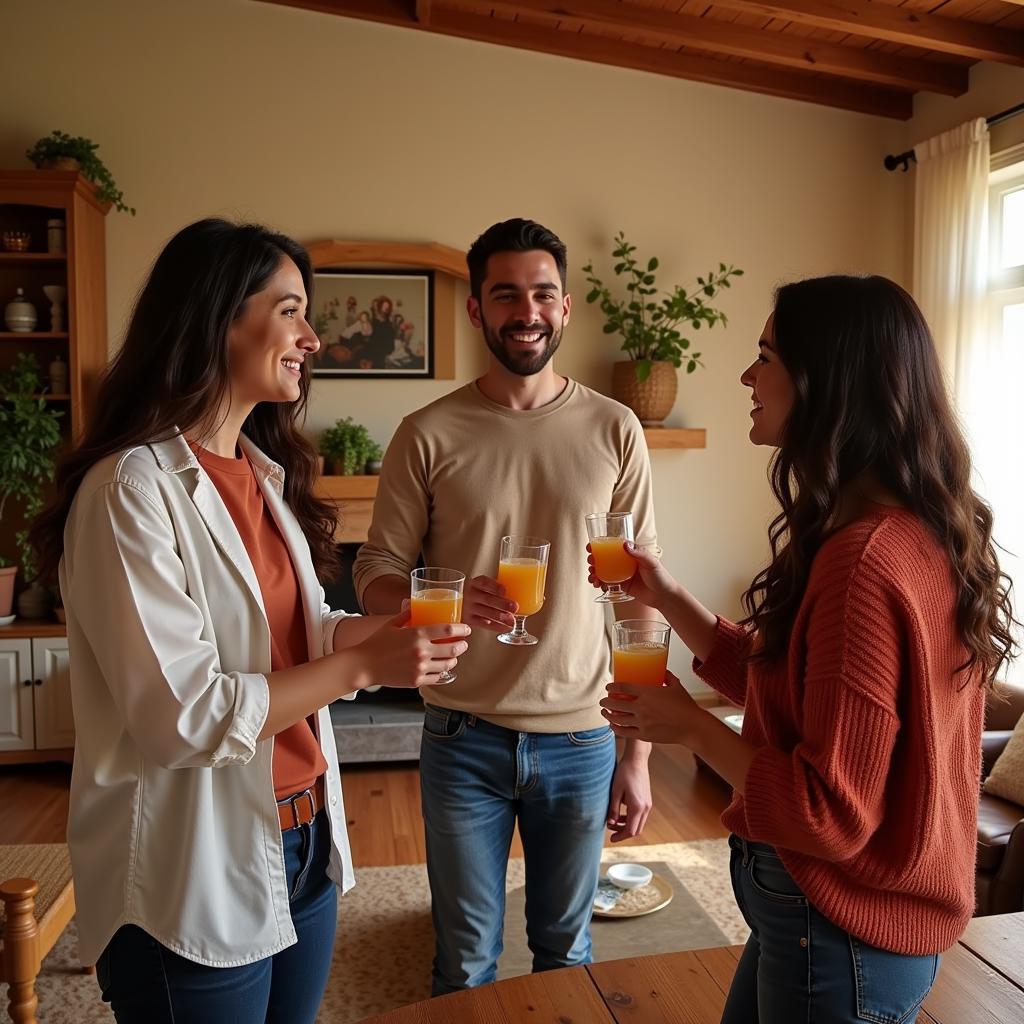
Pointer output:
x,y
39,901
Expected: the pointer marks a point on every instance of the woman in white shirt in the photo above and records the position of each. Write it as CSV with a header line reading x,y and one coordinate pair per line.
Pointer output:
x,y
202,654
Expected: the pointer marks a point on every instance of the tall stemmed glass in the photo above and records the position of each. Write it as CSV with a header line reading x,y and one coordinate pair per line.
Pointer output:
x,y
436,597
612,565
523,571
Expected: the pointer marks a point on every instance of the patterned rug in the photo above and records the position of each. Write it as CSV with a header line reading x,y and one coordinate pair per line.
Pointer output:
x,y
385,940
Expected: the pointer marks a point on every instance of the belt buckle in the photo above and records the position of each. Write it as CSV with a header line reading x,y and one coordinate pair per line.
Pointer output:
x,y
290,802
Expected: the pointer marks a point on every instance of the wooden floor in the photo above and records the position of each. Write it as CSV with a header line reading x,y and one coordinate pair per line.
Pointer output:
x,y
383,805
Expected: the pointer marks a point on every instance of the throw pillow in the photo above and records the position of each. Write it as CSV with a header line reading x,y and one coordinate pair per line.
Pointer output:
x,y
1006,779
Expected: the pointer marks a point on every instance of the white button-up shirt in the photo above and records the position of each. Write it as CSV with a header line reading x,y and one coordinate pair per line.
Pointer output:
x,y
173,824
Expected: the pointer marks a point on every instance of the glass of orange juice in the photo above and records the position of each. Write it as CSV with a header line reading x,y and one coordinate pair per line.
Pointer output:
x,y
436,598
640,651
523,571
613,566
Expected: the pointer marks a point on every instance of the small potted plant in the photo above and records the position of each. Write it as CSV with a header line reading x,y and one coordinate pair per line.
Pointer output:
x,y
61,151
29,436
347,448
652,329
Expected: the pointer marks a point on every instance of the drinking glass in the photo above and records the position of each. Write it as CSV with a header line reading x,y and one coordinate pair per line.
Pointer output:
x,y
523,571
613,566
640,651
436,597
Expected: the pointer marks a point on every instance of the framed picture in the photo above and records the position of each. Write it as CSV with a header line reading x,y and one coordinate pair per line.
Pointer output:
x,y
375,324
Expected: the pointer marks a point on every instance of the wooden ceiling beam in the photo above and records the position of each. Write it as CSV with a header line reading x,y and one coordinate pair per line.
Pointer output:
x,y
796,85
772,81
771,47
896,25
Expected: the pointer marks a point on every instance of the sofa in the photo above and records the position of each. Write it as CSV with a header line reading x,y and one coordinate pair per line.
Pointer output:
x,y
999,877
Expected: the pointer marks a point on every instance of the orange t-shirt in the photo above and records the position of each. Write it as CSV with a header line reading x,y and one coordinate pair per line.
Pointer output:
x,y
298,759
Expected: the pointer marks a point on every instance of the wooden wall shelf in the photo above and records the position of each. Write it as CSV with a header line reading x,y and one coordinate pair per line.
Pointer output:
x,y
356,493
675,437
347,487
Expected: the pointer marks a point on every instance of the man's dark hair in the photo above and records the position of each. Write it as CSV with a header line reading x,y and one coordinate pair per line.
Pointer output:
x,y
515,235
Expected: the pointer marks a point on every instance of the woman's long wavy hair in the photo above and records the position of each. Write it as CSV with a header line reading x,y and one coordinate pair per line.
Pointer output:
x,y
869,398
173,373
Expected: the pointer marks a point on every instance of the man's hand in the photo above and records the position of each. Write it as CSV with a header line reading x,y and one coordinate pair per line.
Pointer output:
x,y
631,800
484,604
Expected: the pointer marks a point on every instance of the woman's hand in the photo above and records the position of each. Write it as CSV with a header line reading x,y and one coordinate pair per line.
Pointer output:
x,y
397,655
651,584
659,714
484,604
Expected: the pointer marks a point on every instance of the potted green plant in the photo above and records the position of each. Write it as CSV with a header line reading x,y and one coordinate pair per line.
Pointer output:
x,y
347,447
29,436
73,152
652,328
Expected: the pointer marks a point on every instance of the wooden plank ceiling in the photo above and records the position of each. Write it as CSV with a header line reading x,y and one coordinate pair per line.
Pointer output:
x,y
870,56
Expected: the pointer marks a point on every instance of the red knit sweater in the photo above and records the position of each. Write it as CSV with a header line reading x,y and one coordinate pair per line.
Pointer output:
x,y
866,776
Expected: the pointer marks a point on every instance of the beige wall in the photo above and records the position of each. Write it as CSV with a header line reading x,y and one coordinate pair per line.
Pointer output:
x,y
994,88
325,127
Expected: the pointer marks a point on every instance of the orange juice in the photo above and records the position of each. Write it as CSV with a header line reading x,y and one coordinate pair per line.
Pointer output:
x,y
435,605
642,662
612,564
523,580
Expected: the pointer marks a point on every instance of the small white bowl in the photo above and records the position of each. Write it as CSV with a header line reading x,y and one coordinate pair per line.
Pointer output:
x,y
629,876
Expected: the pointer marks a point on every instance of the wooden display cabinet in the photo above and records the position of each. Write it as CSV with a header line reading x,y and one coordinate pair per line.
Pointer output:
x,y
35,700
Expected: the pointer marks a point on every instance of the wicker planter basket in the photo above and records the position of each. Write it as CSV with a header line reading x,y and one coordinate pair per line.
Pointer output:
x,y
652,399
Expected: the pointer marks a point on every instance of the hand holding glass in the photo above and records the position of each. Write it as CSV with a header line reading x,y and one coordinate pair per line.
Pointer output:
x,y
612,564
436,598
522,571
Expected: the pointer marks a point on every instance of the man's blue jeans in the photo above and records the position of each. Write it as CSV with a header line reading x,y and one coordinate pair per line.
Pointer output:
x,y
477,779
146,983
798,966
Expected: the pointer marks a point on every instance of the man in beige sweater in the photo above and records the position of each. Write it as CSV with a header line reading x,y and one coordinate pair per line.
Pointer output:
x,y
519,736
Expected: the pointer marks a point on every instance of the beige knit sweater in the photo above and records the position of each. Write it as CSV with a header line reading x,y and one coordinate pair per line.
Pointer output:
x,y
462,472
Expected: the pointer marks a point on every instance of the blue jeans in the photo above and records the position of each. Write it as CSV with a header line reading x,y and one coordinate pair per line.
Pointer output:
x,y
476,780
798,966
145,983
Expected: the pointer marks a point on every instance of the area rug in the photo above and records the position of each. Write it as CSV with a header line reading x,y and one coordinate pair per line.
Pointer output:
x,y
385,940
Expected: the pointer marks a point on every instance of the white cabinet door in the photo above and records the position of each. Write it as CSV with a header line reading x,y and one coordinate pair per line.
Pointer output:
x,y
16,695
55,724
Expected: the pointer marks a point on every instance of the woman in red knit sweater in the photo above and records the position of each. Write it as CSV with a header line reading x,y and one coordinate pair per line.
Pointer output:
x,y
861,666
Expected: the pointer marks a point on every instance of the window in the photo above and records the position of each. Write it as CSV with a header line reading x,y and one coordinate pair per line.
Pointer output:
x,y
1001,480
1006,230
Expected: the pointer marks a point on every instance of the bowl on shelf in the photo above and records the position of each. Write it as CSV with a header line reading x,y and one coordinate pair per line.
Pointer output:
x,y
16,241
629,876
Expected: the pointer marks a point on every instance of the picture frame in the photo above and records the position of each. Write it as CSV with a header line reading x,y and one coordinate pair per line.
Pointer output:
x,y
374,323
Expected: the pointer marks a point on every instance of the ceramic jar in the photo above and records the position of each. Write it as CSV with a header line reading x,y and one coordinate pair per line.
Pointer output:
x,y
20,314
55,237
58,372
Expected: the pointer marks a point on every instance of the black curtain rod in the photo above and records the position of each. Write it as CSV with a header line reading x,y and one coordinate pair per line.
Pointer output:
x,y
903,159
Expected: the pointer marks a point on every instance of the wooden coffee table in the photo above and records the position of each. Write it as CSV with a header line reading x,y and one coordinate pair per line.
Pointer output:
x,y
981,981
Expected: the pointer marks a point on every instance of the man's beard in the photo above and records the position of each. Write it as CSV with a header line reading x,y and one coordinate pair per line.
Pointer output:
x,y
527,362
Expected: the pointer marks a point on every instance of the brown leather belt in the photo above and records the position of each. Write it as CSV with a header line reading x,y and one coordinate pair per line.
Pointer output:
x,y
301,808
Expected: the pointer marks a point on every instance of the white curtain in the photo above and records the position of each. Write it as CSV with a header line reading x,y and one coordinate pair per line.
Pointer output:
x,y
951,245
985,372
